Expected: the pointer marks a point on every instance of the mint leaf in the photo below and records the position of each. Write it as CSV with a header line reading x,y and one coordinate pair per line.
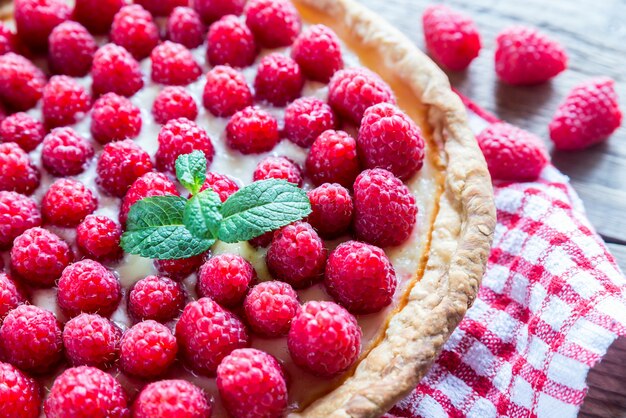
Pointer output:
x,y
202,215
191,170
261,207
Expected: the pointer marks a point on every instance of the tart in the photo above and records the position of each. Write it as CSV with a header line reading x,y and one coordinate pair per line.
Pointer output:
x,y
437,266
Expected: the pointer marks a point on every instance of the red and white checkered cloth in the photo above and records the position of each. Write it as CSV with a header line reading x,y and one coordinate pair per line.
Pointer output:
x,y
551,303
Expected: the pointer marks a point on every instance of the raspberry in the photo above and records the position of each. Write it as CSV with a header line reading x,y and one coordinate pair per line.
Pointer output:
x,y
97,15
65,153
161,7
86,392
171,398
278,80
280,168
173,64
115,70
67,202
251,384
8,40
353,90
134,29
332,209
211,10
184,26
181,136
274,23
119,165
114,118
318,53
333,159
225,278
324,339
91,340
87,286
252,131
21,83
148,185
17,214
31,339
270,307
173,103
148,349
296,255
23,129
225,91
589,114
207,333
11,295
262,241
512,153
221,184
71,49
64,101
157,298
306,118
525,56
98,237
35,19
17,172
384,208
179,269
230,42
19,394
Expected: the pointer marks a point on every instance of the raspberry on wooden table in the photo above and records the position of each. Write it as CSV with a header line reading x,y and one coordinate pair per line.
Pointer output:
x,y
17,214
23,129
98,237
279,168
171,398
331,210
147,350
172,103
306,118
17,172
148,185
184,26
65,153
119,165
114,118
134,29
19,394
173,64
221,184
181,268
115,70
67,202
318,53
157,298
231,42
64,101
333,158
181,136
225,91
275,23
21,82
8,40
97,15
252,131
278,80
270,307
11,295
71,49
161,7
91,340
212,10
225,278
35,19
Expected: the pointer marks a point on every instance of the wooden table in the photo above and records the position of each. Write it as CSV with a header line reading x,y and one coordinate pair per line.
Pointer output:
x,y
594,34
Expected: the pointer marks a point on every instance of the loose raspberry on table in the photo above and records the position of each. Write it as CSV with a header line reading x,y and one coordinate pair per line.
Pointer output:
x,y
114,118
91,340
171,398
65,153
64,101
512,153
115,70
353,90
11,295
225,278
306,118
525,56
31,339
8,40
184,26
275,23
17,172
71,49
279,168
134,29
270,307
35,19
97,15
179,269
324,339
20,395
161,7
589,115
297,255
157,298
333,158
172,103
67,202
278,80
148,185
206,333
221,184
173,64
331,210
231,42
98,237
252,384
86,392
17,214
23,129
21,82
226,91
181,136
148,349
119,165
212,10
252,131
384,208
318,53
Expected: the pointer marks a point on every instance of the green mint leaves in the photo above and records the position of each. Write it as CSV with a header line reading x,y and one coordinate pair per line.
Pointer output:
x,y
171,227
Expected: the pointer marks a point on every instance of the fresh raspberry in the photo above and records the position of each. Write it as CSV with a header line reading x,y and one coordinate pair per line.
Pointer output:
x,y
148,349
114,118
87,286
353,90
225,91
270,307
172,103
8,40
65,153
230,42
71,49
318,53
525,56
19,394
31,339
134,29
67,202
589,114
23,129
173,64
297,255
280,168
324,339
157,298
115,70
207,333
148,185
17,172
331,210
35,19
184,26
262,241
221,184
119,165
512,153
91,340
225,278
97,15
11,295
17,214
181,268
171,398
251,384
252,131
306,118
98,237
64,101
278,80
21,82
275,23
161,7
212,10
333,158
181,136
384,208
86,392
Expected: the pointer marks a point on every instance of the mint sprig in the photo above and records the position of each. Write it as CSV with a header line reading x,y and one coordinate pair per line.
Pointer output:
x,y
191,171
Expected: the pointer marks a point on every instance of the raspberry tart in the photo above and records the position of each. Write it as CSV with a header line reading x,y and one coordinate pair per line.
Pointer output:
x,y
228,208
